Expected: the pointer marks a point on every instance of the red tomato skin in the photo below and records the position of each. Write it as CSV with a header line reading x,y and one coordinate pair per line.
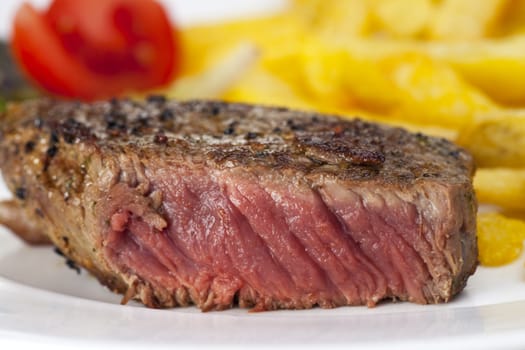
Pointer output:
x,y
131,47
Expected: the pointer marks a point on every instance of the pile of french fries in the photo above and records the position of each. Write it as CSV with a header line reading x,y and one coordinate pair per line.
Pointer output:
x,y
450,68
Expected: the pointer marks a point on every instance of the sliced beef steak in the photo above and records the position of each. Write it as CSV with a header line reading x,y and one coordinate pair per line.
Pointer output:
x,y
218,204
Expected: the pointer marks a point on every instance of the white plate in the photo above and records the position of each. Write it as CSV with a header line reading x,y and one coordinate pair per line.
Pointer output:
x,y
43,303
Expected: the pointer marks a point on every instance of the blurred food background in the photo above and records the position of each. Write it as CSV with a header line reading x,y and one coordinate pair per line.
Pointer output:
x,y
449,68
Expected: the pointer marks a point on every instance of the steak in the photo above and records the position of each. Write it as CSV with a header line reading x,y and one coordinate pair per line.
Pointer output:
x,y
216,204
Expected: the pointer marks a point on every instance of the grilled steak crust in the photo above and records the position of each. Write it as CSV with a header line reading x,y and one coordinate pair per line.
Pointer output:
x,y
218,204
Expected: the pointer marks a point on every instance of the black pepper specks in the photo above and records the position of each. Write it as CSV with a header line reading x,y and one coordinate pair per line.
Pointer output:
x,y
114,124
71,130
115,121
454,154
215,110
53,138
20,193
143,122
72,265
58,251
69,263
293,125
251,135
69,138
29,146
136,131
165,115
230,129
52,151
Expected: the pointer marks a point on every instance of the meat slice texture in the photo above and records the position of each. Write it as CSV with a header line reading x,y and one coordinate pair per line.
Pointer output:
x,y
215,204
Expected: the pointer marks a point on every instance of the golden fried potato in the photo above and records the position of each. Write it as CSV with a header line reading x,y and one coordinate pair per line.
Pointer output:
x,y
403,18
433,93
503,187
497,139
500,239
325,74
334,18
411,87
513,19
466,19
260,86
495,67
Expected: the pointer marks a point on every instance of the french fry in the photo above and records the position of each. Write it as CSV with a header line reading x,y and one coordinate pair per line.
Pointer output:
x,y
513,20
496,139
433,93
411,87
331,18
466,19
403,18
260,86
500,238
325,74
503,187
495,67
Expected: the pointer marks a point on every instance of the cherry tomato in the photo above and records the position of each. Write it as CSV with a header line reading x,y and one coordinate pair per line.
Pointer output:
x,y
98,48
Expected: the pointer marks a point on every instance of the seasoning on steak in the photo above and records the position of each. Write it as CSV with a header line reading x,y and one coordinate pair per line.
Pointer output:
x,y
218,204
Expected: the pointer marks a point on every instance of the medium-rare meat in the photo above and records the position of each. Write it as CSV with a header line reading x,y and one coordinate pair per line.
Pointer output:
x,y
216,204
